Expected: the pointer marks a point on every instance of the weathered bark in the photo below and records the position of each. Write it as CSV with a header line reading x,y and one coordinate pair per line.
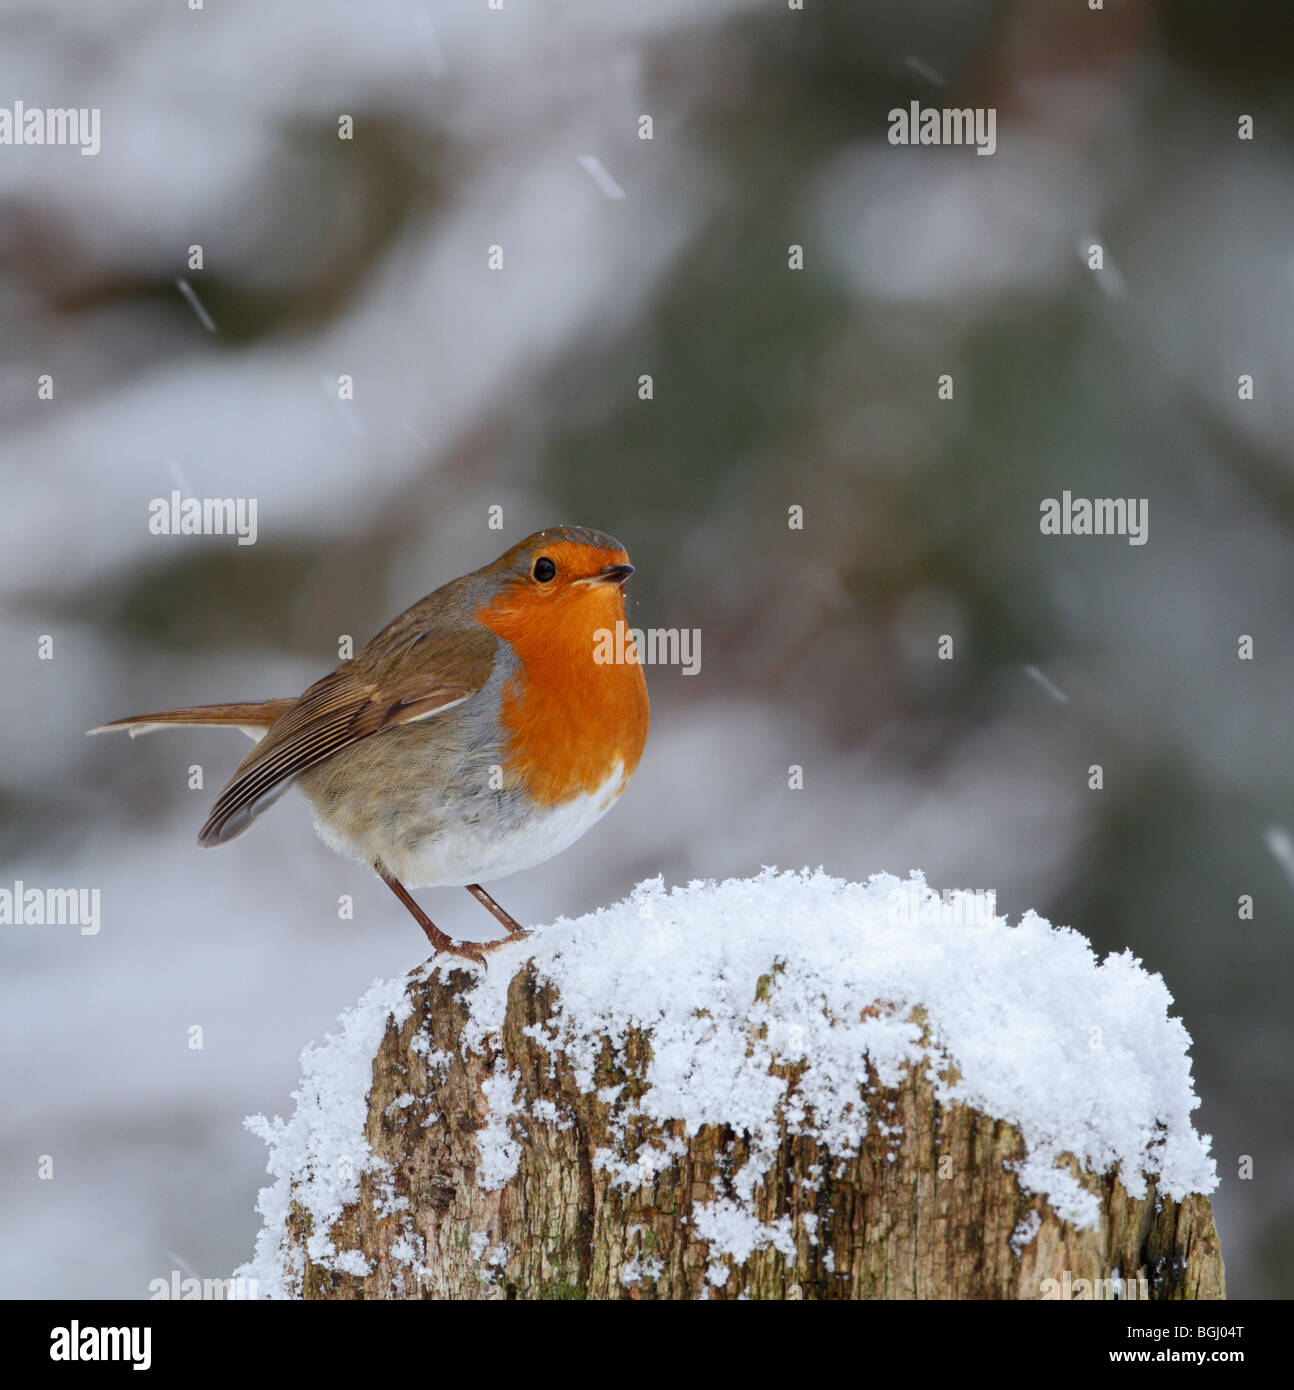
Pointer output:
x,y
906,1227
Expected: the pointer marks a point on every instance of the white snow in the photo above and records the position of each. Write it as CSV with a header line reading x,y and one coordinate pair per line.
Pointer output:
x,y
317,1157
1079,1054
607,186
730,1229
639,1268
1022,1236
499,1151
1281,847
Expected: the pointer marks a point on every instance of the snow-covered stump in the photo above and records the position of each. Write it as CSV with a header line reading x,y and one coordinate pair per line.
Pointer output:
x,y
786,1087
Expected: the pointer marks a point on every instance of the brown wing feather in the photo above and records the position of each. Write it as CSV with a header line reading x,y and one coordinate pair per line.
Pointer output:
x,y
252,714
406,673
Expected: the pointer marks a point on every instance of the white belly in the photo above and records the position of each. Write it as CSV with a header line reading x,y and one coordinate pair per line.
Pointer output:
x,y
462,853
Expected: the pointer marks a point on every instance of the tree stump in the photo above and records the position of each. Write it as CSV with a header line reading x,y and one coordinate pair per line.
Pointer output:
x,y
504,1175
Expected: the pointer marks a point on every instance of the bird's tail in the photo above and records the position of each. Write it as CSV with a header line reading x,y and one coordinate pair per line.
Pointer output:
x,y
254,718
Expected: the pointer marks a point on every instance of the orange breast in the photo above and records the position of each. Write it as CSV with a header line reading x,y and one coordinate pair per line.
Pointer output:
x,y
568,719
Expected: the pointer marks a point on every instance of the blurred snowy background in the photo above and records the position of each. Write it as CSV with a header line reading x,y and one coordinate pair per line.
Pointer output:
x,y
519,389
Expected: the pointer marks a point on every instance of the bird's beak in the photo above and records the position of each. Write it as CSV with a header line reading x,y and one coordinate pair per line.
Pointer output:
x,y
611,574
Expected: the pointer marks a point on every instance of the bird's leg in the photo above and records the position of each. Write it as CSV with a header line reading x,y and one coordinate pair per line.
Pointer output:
x,y
514,927
434,934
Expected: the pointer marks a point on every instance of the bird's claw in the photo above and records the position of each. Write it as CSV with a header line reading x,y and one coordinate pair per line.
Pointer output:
x,y
475,951
502,940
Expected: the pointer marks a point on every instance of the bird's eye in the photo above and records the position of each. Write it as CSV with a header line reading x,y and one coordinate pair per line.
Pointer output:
x,y
544,569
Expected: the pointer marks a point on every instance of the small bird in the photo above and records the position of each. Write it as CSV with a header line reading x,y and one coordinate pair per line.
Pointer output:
x,y
478,734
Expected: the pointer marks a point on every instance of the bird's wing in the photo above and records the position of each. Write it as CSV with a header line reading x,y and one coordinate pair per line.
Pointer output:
x,y
398,679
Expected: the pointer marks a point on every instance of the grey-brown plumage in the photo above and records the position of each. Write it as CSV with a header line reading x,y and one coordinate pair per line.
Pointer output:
x,y
401,749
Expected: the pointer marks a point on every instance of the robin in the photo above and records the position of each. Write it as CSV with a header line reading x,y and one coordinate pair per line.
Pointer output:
x,y
475,736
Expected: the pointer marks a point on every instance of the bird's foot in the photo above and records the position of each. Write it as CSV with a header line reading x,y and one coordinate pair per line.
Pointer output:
x,y
502,940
